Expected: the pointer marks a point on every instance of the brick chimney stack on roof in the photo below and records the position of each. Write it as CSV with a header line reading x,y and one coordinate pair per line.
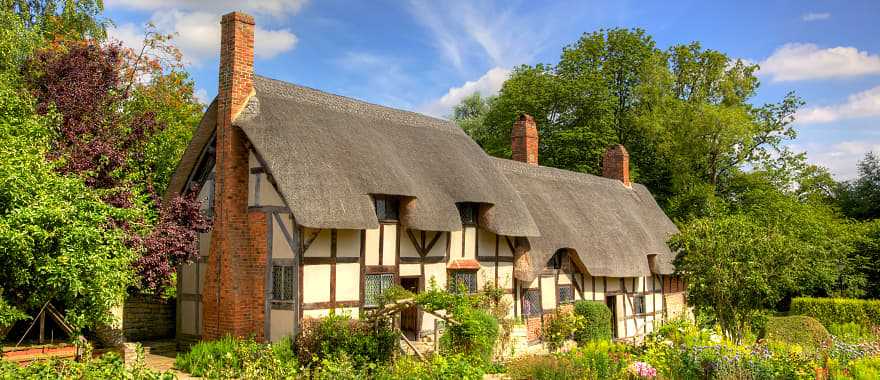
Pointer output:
x,y
524,140
615,164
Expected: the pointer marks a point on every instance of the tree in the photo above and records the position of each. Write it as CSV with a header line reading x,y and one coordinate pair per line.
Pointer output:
x,y
683,114
860,198
59,241
61,19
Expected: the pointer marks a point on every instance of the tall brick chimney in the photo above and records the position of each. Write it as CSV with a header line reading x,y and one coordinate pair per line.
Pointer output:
x,y
615,164
524,140
233,296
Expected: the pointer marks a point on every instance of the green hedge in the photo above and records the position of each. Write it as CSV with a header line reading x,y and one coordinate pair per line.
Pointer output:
x,y
595,324
802,330
831,311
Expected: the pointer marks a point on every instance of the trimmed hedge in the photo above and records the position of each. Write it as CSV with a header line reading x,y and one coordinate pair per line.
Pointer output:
x,y
595,324
802,330
831,311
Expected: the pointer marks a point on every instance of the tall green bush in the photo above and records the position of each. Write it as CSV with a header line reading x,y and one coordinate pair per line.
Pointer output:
x,y
340,334
476,335
838,310
230,357
594,324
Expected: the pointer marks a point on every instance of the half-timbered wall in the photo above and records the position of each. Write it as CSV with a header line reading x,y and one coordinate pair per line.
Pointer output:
x,y
191,277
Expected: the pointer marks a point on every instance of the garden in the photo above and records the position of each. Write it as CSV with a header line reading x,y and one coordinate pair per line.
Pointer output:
x,y
820,338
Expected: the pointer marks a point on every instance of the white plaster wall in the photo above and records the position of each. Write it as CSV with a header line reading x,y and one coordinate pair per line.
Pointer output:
x,y
316,283
439,248
348,282
455,245
486,243
470,236
407,249
280,246
389,244
548,293
371,251
348,243
280,324
320,247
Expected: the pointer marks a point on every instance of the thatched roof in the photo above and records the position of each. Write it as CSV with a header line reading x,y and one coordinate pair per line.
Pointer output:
x,y
612,228
329,153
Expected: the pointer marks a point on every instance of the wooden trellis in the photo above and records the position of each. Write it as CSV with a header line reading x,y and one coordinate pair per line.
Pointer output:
x,y
392,311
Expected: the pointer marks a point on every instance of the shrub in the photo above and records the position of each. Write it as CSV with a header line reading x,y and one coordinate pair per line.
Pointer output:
x,y
864,369
804,331
334,334
107,366
560,327
244,358
476,334
457,366
596,360
851,332
838,310
595,324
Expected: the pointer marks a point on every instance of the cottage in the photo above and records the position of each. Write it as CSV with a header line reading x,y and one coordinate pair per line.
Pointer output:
x,y
320,202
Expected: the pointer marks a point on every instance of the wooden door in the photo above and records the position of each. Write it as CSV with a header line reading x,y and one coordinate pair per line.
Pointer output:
x,y
409,317
611,302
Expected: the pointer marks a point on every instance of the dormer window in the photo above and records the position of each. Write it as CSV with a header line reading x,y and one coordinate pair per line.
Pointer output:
x,y
468,213
387,208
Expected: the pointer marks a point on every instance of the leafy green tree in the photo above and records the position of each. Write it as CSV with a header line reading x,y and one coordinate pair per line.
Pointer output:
x,y
61,19
59,241
860,198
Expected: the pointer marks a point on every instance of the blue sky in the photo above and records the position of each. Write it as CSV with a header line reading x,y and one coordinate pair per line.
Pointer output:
x,y
427,55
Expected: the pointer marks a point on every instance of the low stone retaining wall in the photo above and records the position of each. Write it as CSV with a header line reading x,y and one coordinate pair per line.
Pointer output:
x,y
146,317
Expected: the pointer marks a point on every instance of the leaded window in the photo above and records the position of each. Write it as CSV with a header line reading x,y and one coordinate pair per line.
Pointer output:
x,y
374,286
468,213
639,305
463,279
282,282
387,208
531,303
565,294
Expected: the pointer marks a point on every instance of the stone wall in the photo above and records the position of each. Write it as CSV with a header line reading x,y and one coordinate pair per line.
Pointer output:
x,y
147,317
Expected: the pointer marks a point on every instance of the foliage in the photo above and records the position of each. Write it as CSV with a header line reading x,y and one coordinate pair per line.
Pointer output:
x,y
239,358
8,316
683,113
559,327
107,366
59,241
851,332
457,366
860,198
61,19
596,360
831,311
861,369
595,324
337,334
477,330
804,331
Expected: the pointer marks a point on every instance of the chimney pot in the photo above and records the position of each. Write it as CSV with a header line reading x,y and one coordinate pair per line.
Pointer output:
x,y
524,140
615,164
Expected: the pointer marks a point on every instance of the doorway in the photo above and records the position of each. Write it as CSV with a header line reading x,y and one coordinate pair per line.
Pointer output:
x,y
410,323
611,302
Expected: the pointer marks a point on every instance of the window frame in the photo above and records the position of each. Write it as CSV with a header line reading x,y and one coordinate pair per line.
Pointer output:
x,y
284,274
639,302
450,276
523,300
469,213
365,302
386,201
559,300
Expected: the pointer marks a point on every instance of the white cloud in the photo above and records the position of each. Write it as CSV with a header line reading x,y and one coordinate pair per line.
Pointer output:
x,y
488,84
841,158
861,104
202,96
816,16
197,35
467,32
197,25
796,61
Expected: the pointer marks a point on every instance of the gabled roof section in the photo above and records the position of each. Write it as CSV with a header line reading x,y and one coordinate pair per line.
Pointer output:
x,y
201,137
612,228
329,153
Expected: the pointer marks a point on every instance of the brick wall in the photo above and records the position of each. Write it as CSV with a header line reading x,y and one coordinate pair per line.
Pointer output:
x,y
533,328
524,140
233,297
146,317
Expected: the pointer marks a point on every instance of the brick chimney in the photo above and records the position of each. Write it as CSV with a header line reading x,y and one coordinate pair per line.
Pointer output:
x,y
615,164
233,296
524,140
